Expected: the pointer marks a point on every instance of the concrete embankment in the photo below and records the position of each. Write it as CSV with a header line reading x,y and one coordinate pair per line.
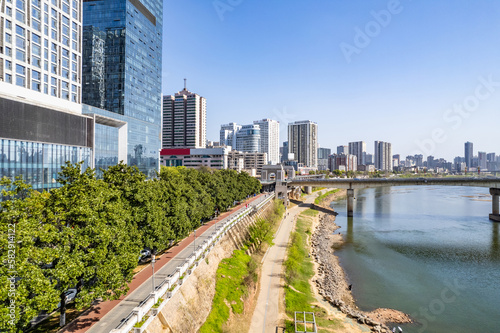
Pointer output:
x,y
188,309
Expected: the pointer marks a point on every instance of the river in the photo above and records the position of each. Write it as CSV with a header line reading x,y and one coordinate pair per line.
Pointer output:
x,y
430,252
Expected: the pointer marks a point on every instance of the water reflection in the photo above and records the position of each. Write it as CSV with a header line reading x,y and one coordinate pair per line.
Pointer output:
x,y
495,242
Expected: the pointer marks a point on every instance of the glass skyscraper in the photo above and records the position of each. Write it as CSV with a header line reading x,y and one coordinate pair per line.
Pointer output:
x,y
121,75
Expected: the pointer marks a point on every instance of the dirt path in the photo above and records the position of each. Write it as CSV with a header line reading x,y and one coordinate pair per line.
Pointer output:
x,y
266,316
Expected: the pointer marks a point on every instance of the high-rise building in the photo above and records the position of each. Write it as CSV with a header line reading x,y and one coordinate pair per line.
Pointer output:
x,y
269,139
396,160
41,121
284,152
303,142
228,134
482,160
248,139
383,156
342,150
369,159
344,162
184,121
121,73
491,157
469,154
323,153
359,149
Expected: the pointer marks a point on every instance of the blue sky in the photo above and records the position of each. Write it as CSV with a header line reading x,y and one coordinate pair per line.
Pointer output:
x,y
423,76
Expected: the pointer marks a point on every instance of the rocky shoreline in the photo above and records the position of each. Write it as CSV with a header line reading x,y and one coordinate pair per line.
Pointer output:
x,y
332,283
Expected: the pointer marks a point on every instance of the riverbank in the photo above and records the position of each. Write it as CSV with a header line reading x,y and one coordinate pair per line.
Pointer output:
x,y
332,284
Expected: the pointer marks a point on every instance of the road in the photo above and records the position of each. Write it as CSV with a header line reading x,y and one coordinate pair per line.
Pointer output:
x,y
105,316
266,316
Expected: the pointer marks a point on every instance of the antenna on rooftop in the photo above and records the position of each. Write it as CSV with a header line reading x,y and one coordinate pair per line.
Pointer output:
x,y
185,87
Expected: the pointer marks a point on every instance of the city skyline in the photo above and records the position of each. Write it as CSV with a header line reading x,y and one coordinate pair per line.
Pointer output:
x,y
401,88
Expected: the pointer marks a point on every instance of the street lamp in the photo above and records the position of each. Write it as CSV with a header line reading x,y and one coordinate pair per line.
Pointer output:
x,y
194,241
153,266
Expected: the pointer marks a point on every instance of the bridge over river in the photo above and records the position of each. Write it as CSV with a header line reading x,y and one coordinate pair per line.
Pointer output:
x,y
351,184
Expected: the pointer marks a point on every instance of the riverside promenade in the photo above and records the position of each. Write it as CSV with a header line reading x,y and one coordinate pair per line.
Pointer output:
x,y
105,316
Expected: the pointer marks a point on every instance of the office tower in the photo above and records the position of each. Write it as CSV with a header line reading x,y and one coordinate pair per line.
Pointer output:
x,y
369,159
269,139
482,161
396,160
303,142
228,134
383,156
121,74
248,139
184,120
491,157
469,154
359,149
431,162
419,160
342,150
41,121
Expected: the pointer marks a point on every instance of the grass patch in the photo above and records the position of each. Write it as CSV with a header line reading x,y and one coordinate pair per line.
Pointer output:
x,y
298,271
322,197
231,288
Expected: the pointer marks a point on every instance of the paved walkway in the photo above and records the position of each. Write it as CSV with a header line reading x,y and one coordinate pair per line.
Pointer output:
x,y
105,316
266,316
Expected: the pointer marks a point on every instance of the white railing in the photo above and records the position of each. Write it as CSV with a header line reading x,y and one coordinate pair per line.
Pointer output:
x,y
168,287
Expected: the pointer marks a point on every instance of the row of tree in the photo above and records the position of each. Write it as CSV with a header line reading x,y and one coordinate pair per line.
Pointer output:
x,y
89,232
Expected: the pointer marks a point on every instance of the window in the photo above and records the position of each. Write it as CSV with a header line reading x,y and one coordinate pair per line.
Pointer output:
x,y
36,50
36,3
36,75
8,24
8,78
20,31
20,55
8,11
20,81
20,16
37,62
8,64
8,38
20,4
35,85
20,70
8,51
36,38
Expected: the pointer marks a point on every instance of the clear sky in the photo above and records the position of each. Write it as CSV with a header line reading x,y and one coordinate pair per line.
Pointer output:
x,y
423,75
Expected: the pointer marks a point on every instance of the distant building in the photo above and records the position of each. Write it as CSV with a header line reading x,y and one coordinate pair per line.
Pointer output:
x,y
228,134
248,139
269,139
383,156
184,120
251,162
469,154
359,149
342,150
396,160
369,159
323,154
216,158
345,162
284,152
303,142
482,160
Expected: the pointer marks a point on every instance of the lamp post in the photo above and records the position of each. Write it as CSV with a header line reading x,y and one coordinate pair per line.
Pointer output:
x,y
153,266
194,241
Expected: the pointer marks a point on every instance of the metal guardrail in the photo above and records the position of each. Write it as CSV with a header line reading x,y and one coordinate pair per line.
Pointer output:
x,y
304,323
173,280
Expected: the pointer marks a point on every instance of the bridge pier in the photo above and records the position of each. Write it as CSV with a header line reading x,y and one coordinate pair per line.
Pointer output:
x,y
495,214
350,202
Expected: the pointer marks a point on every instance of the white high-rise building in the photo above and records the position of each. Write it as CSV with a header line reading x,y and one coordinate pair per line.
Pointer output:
x,y
303,142
228,134
383,156
248,139
184,120
41,58
269,139
358,148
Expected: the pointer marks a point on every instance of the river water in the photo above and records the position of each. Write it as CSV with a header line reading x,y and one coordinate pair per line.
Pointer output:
x,y
430,252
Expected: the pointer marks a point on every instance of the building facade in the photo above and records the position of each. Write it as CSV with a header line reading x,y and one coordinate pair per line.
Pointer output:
x,y
248,139
41,122
342,150
358,148
383,156
216,158
228,134
252,163
184,121
121,71
343,162
269,139
303,142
